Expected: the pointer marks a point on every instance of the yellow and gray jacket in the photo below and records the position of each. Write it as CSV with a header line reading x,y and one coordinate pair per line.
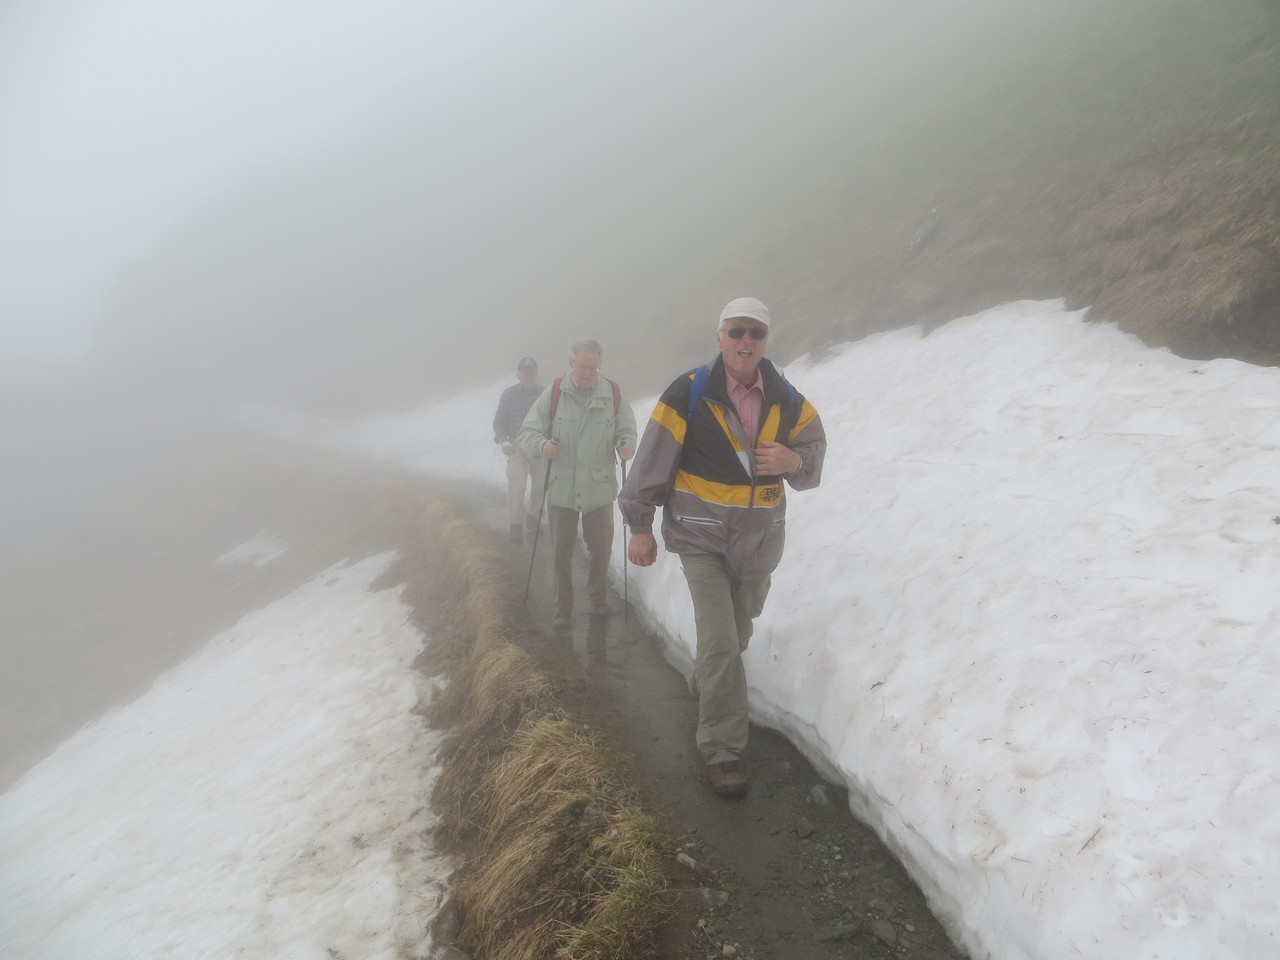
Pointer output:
x,y
696,465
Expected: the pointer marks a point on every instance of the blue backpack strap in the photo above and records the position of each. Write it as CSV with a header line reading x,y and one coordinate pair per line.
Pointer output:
x,y
695,392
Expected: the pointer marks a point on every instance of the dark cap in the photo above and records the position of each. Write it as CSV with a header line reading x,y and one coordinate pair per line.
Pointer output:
x,y
526,365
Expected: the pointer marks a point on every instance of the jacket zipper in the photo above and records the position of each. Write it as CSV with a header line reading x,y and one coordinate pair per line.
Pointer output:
x,y
751,495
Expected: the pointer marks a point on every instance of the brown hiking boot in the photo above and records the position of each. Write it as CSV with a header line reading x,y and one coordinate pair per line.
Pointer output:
x,y
727,778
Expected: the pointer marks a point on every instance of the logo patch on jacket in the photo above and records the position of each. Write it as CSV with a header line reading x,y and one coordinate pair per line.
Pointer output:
x,y
771,494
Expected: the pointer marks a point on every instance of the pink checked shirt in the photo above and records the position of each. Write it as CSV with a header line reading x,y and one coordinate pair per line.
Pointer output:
x,y
747,401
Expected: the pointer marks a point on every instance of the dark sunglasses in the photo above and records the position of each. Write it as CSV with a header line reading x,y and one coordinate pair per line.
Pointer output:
x,y
757,333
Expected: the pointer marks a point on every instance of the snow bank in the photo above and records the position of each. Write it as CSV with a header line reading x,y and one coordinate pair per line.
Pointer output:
x,y
265,799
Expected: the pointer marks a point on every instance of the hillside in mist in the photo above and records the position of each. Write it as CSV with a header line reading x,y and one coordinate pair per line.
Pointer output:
x,y
624,179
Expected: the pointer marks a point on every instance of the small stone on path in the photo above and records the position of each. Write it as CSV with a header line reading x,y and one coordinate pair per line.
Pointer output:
x,y
885,931
840,932
714,898
882,907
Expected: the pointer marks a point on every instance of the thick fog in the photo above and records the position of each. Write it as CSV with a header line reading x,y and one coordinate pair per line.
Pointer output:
x,y
349,206
120,116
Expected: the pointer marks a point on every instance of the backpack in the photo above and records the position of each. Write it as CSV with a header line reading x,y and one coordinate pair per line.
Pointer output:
x,y
555,395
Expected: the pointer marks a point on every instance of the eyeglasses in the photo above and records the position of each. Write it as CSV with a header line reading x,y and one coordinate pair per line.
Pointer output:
x,y
757,333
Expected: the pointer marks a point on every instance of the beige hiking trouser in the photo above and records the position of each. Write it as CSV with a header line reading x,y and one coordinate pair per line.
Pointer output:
x,y
597,531
723,611
519,473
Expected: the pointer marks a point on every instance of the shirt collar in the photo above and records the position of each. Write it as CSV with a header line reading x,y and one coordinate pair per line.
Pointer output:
x,y
735,387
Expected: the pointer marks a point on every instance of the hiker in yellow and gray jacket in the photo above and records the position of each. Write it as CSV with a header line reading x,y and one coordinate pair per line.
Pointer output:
x,y
714,455
581,425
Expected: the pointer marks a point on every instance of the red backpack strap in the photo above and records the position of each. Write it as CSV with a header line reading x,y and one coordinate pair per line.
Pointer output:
x,y
617,395
555,396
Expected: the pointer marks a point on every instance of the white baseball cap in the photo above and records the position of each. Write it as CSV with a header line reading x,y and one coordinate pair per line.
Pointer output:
x,y
748,307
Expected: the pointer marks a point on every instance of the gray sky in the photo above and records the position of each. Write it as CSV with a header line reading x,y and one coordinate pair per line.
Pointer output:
x,y
117,114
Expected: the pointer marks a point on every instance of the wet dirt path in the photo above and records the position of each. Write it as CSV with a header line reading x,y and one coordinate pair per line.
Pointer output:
x,y
785,873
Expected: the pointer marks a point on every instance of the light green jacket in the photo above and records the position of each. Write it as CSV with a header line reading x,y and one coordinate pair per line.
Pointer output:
x,y
584,471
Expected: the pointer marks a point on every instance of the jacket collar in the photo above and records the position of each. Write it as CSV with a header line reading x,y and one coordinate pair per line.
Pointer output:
x,y
774,385
601,390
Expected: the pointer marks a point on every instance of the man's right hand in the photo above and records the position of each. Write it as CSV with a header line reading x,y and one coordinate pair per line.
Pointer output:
x,y
549,449
642,549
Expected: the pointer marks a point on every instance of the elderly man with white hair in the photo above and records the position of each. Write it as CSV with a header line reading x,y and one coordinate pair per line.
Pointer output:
x,y
580,426
714,455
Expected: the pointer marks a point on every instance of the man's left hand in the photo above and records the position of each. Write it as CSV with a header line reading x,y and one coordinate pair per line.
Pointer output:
x,y
625,450
774,459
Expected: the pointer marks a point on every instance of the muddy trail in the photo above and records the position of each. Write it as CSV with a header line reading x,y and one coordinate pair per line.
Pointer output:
x,y
786,872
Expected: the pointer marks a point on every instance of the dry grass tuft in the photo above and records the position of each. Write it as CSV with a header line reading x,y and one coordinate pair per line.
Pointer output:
x,y
574,869
561,863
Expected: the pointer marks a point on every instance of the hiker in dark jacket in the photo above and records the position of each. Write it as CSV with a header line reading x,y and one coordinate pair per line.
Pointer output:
x,y
714,455
513,407
589,428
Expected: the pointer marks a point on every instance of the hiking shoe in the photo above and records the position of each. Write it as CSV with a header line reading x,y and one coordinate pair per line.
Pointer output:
x,y
517,533
560,621
600,610
727,778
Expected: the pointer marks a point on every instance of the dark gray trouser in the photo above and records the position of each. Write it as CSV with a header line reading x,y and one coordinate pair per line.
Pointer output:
x,y
723,611
597,531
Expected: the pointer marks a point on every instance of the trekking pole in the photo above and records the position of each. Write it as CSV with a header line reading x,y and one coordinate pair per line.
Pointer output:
x,y
625,602
542,505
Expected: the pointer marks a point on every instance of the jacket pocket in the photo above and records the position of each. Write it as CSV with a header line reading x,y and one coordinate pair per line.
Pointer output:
x,y
700,521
